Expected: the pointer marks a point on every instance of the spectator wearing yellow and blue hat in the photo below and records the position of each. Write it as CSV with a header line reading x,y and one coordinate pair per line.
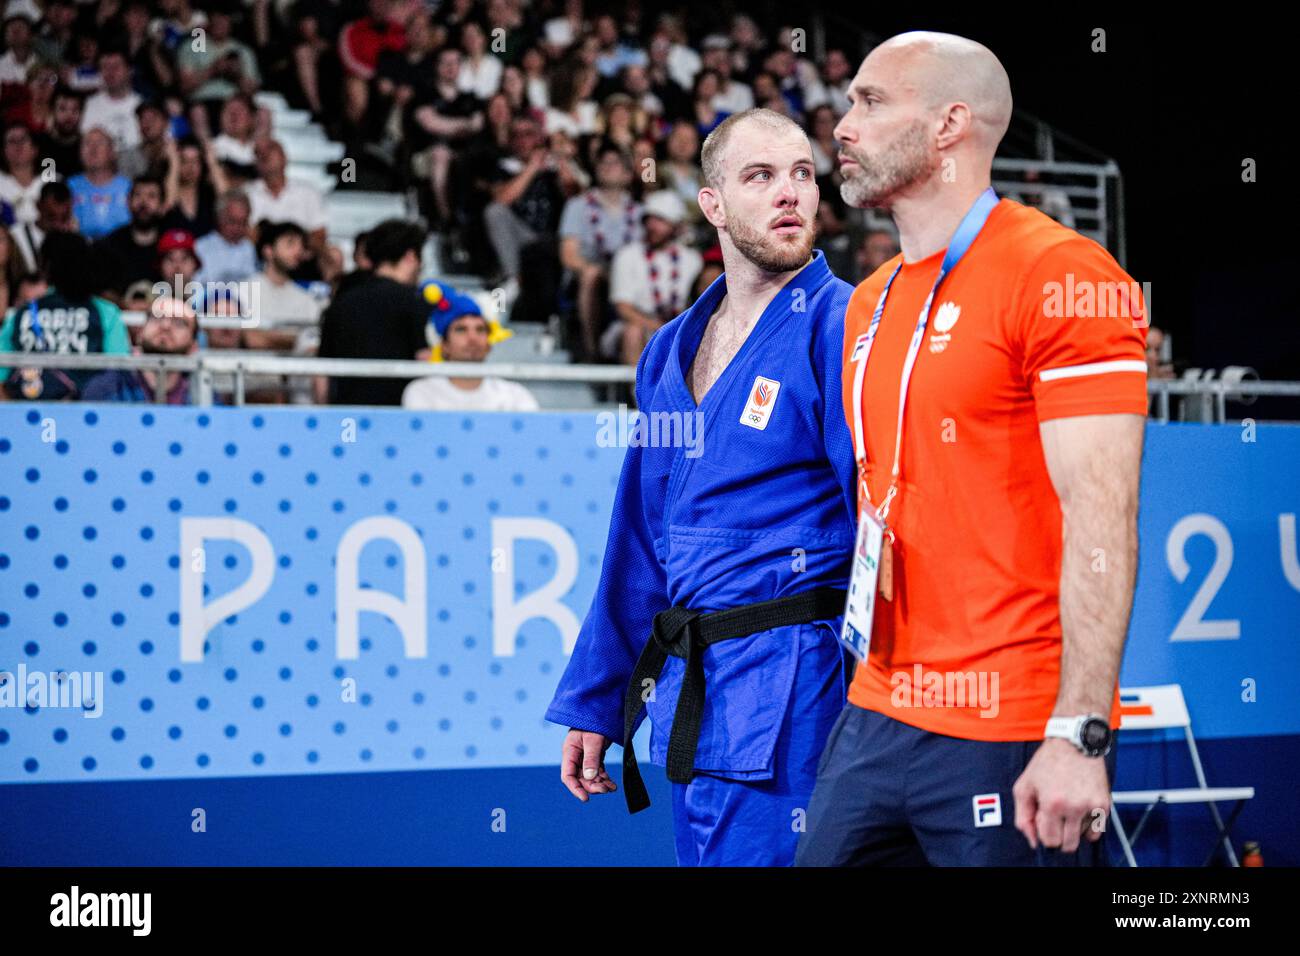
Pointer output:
x,y
460,332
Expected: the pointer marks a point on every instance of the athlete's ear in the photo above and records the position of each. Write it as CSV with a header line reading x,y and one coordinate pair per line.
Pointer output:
x,y
711,205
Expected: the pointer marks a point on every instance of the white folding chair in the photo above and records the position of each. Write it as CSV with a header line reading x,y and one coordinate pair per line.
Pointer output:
x,y
1163,708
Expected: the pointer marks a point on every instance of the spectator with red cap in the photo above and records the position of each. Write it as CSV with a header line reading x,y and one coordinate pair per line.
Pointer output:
x,y
178,263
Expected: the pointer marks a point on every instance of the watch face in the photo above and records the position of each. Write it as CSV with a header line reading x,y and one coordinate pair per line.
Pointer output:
x,y
1095,737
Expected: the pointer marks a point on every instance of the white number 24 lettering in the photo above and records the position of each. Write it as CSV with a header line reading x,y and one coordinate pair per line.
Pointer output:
x,y
1193,626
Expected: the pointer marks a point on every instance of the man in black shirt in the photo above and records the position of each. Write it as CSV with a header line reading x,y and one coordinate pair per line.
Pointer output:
x,y
53,214
441,117
529,186
382,318
131,251
62,141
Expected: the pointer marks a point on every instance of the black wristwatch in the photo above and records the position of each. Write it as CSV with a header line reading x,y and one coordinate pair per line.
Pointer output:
x,y
1090,733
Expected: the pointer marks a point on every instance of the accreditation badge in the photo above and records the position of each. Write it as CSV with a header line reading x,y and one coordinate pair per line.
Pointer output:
x,y
856,633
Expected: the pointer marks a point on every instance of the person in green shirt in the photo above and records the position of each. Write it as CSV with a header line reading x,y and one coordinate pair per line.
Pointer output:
x,y
69,318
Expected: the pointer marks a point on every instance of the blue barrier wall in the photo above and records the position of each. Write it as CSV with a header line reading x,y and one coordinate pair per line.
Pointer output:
x,y
335,631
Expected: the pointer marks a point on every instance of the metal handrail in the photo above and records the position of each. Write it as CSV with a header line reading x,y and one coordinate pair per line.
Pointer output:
x,y
205,365
1217,390
233,362
240,365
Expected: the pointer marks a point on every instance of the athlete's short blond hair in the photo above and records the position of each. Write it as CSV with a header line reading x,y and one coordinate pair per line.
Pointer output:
x,y
715,144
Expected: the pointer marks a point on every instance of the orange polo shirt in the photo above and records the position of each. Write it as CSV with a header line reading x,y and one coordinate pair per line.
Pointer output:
x,y
1035,322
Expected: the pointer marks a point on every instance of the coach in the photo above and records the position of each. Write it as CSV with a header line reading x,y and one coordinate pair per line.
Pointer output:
x,y
998,431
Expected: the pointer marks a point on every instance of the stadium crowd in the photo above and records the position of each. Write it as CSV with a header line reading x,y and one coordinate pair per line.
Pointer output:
x,y
552,147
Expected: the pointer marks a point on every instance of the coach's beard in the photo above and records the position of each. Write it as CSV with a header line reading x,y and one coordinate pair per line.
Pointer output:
x,y
875,181
767,250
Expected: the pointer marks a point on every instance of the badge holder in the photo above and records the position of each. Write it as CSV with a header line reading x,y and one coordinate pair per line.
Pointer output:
x,y
873,574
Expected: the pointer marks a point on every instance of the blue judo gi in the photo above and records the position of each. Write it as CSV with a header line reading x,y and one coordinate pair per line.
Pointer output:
x,y
751,515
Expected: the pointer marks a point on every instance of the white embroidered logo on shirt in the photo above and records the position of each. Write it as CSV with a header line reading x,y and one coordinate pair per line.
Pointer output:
x,y
944,320
762,399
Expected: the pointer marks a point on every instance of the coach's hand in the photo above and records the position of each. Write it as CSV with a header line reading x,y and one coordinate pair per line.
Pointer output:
x,y
582,764
1060,795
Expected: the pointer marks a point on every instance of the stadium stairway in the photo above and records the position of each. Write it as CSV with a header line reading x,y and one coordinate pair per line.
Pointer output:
x,y
532,343
310,156
350,212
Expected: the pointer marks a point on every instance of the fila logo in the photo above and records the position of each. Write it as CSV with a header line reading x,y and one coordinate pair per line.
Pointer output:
x,y
762,399
859,344
944,320
988,809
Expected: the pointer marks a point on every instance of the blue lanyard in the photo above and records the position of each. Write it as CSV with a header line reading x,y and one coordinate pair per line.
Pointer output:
x,y
37,329
961,241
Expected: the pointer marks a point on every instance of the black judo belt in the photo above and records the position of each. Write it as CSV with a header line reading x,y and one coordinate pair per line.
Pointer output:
x,y
681,632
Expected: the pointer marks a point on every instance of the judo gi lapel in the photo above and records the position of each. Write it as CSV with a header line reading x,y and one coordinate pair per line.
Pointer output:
x,y
797,293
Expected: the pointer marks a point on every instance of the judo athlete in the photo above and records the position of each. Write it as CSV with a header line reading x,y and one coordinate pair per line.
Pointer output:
x,y
722,587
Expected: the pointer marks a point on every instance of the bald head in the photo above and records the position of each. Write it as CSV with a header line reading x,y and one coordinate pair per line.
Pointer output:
x,y
927,113
942,69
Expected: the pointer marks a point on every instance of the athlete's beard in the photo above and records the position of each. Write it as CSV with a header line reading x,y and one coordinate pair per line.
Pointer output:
x,y
768,251
898,165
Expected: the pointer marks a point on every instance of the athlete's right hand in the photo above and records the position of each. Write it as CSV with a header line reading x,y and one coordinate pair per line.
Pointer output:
x,y
582,764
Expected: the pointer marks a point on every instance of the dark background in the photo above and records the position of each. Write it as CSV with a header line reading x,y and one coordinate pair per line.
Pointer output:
x,y
1178,101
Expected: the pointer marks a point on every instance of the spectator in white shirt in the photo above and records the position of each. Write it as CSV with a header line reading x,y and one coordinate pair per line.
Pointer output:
x,y
113,107
837,76
275,198
19,55
20,180
480,70
286,319
233,146
572,110
285,309
732,96
293,313
464,335
228,254
594,225
534,66
650,281
821,136
669,43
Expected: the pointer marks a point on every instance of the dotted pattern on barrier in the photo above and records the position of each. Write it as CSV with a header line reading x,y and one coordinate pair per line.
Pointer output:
x,y
91,498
